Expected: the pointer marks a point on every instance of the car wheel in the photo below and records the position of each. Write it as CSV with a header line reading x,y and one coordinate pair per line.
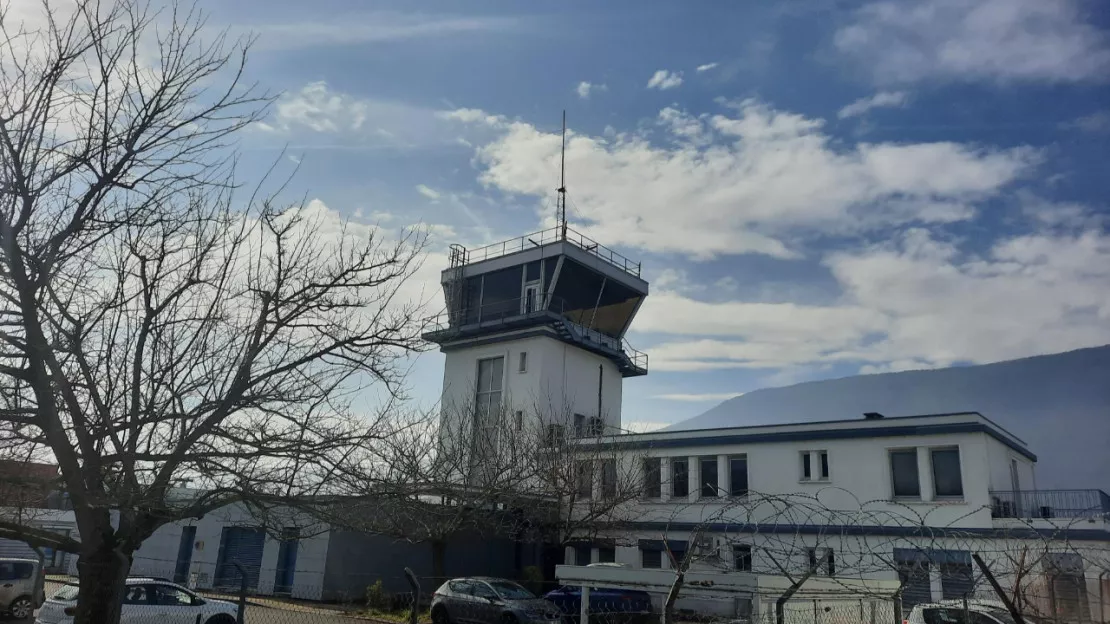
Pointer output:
x,y
222,618
439,616
508,618
21,608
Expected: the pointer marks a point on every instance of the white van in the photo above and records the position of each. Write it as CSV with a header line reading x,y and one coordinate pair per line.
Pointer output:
x,y
21,587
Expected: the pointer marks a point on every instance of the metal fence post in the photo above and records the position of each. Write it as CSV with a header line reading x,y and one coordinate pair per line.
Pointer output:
x,y
415,583
240,617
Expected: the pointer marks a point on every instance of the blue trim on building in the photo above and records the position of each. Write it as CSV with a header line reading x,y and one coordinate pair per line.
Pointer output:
x,y
657,442
876,530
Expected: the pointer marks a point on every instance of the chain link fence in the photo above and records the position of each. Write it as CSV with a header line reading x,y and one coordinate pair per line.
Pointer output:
x,y
481,600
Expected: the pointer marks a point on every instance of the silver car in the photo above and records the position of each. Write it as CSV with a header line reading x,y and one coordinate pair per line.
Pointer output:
x,y
483,600
21,587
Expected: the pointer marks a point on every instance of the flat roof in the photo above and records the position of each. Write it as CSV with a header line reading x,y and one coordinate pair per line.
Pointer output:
x,y
893,426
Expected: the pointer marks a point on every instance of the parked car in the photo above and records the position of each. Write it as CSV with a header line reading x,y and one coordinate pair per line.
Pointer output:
x,y
610,604
484,600
952,612
146,600
21,587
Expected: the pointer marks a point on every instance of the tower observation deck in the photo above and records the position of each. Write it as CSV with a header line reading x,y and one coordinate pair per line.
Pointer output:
x,y
556,283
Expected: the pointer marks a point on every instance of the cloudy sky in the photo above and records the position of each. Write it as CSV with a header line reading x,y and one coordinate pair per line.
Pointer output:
x,y
816,188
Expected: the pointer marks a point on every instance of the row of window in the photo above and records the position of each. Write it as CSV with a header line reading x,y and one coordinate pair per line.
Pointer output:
x,y
709,479
821,560
944,464
584,478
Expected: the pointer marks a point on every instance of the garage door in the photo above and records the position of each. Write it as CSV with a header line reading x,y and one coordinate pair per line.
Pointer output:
x,y
11,549
242,545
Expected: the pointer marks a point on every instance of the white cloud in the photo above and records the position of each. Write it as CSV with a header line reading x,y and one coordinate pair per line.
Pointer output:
x,y
882,99
715,397
915,303
584,89
320,116
664,80
750,182
428,192
317,108
997,40
706,67
1095,123
369,27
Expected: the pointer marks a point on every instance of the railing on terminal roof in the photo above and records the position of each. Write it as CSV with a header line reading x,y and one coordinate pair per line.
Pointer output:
x,y
461,256
1047,504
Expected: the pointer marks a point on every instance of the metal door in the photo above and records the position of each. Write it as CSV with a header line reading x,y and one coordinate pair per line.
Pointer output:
x,y
287,561
956,580
184,555
242,545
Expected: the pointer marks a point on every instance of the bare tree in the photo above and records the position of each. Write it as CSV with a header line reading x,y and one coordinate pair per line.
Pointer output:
x,y
521,474
152,331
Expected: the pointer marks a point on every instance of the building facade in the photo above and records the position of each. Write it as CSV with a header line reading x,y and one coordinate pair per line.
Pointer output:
x,y
908,498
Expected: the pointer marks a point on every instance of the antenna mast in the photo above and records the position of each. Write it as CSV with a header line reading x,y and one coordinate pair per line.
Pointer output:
x,y
561,203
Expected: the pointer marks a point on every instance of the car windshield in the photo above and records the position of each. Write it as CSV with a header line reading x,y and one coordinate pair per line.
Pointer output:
x,y
67,593
511,591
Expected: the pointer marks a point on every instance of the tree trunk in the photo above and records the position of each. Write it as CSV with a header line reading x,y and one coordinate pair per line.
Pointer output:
x,y
439,556
101,573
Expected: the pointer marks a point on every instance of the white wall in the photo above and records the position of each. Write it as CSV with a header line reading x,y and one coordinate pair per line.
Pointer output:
x,y
999,456
158,554
560,379
860,478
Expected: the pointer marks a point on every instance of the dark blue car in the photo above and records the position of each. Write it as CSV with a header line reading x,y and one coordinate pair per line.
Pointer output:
x,y
610,605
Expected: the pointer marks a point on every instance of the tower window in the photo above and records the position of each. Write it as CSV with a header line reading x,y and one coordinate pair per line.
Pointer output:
x,y
487,403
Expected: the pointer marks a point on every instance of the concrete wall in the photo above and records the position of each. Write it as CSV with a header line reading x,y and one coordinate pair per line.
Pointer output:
x,y
999,457
560,380
859,478
158,554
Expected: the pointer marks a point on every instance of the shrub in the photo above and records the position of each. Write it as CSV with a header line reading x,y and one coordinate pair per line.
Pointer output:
x,y
377,598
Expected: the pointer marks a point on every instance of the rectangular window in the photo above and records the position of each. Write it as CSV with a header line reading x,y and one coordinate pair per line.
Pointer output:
x,y
584,479
595,426
903,474
606,554
652,559
518,418
738,475
946,473
807,474
609,478
488,395
679,556
653,477
742,557
556,434
824,455
680,477
582,554
579,425
709,481
822,561
522,362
